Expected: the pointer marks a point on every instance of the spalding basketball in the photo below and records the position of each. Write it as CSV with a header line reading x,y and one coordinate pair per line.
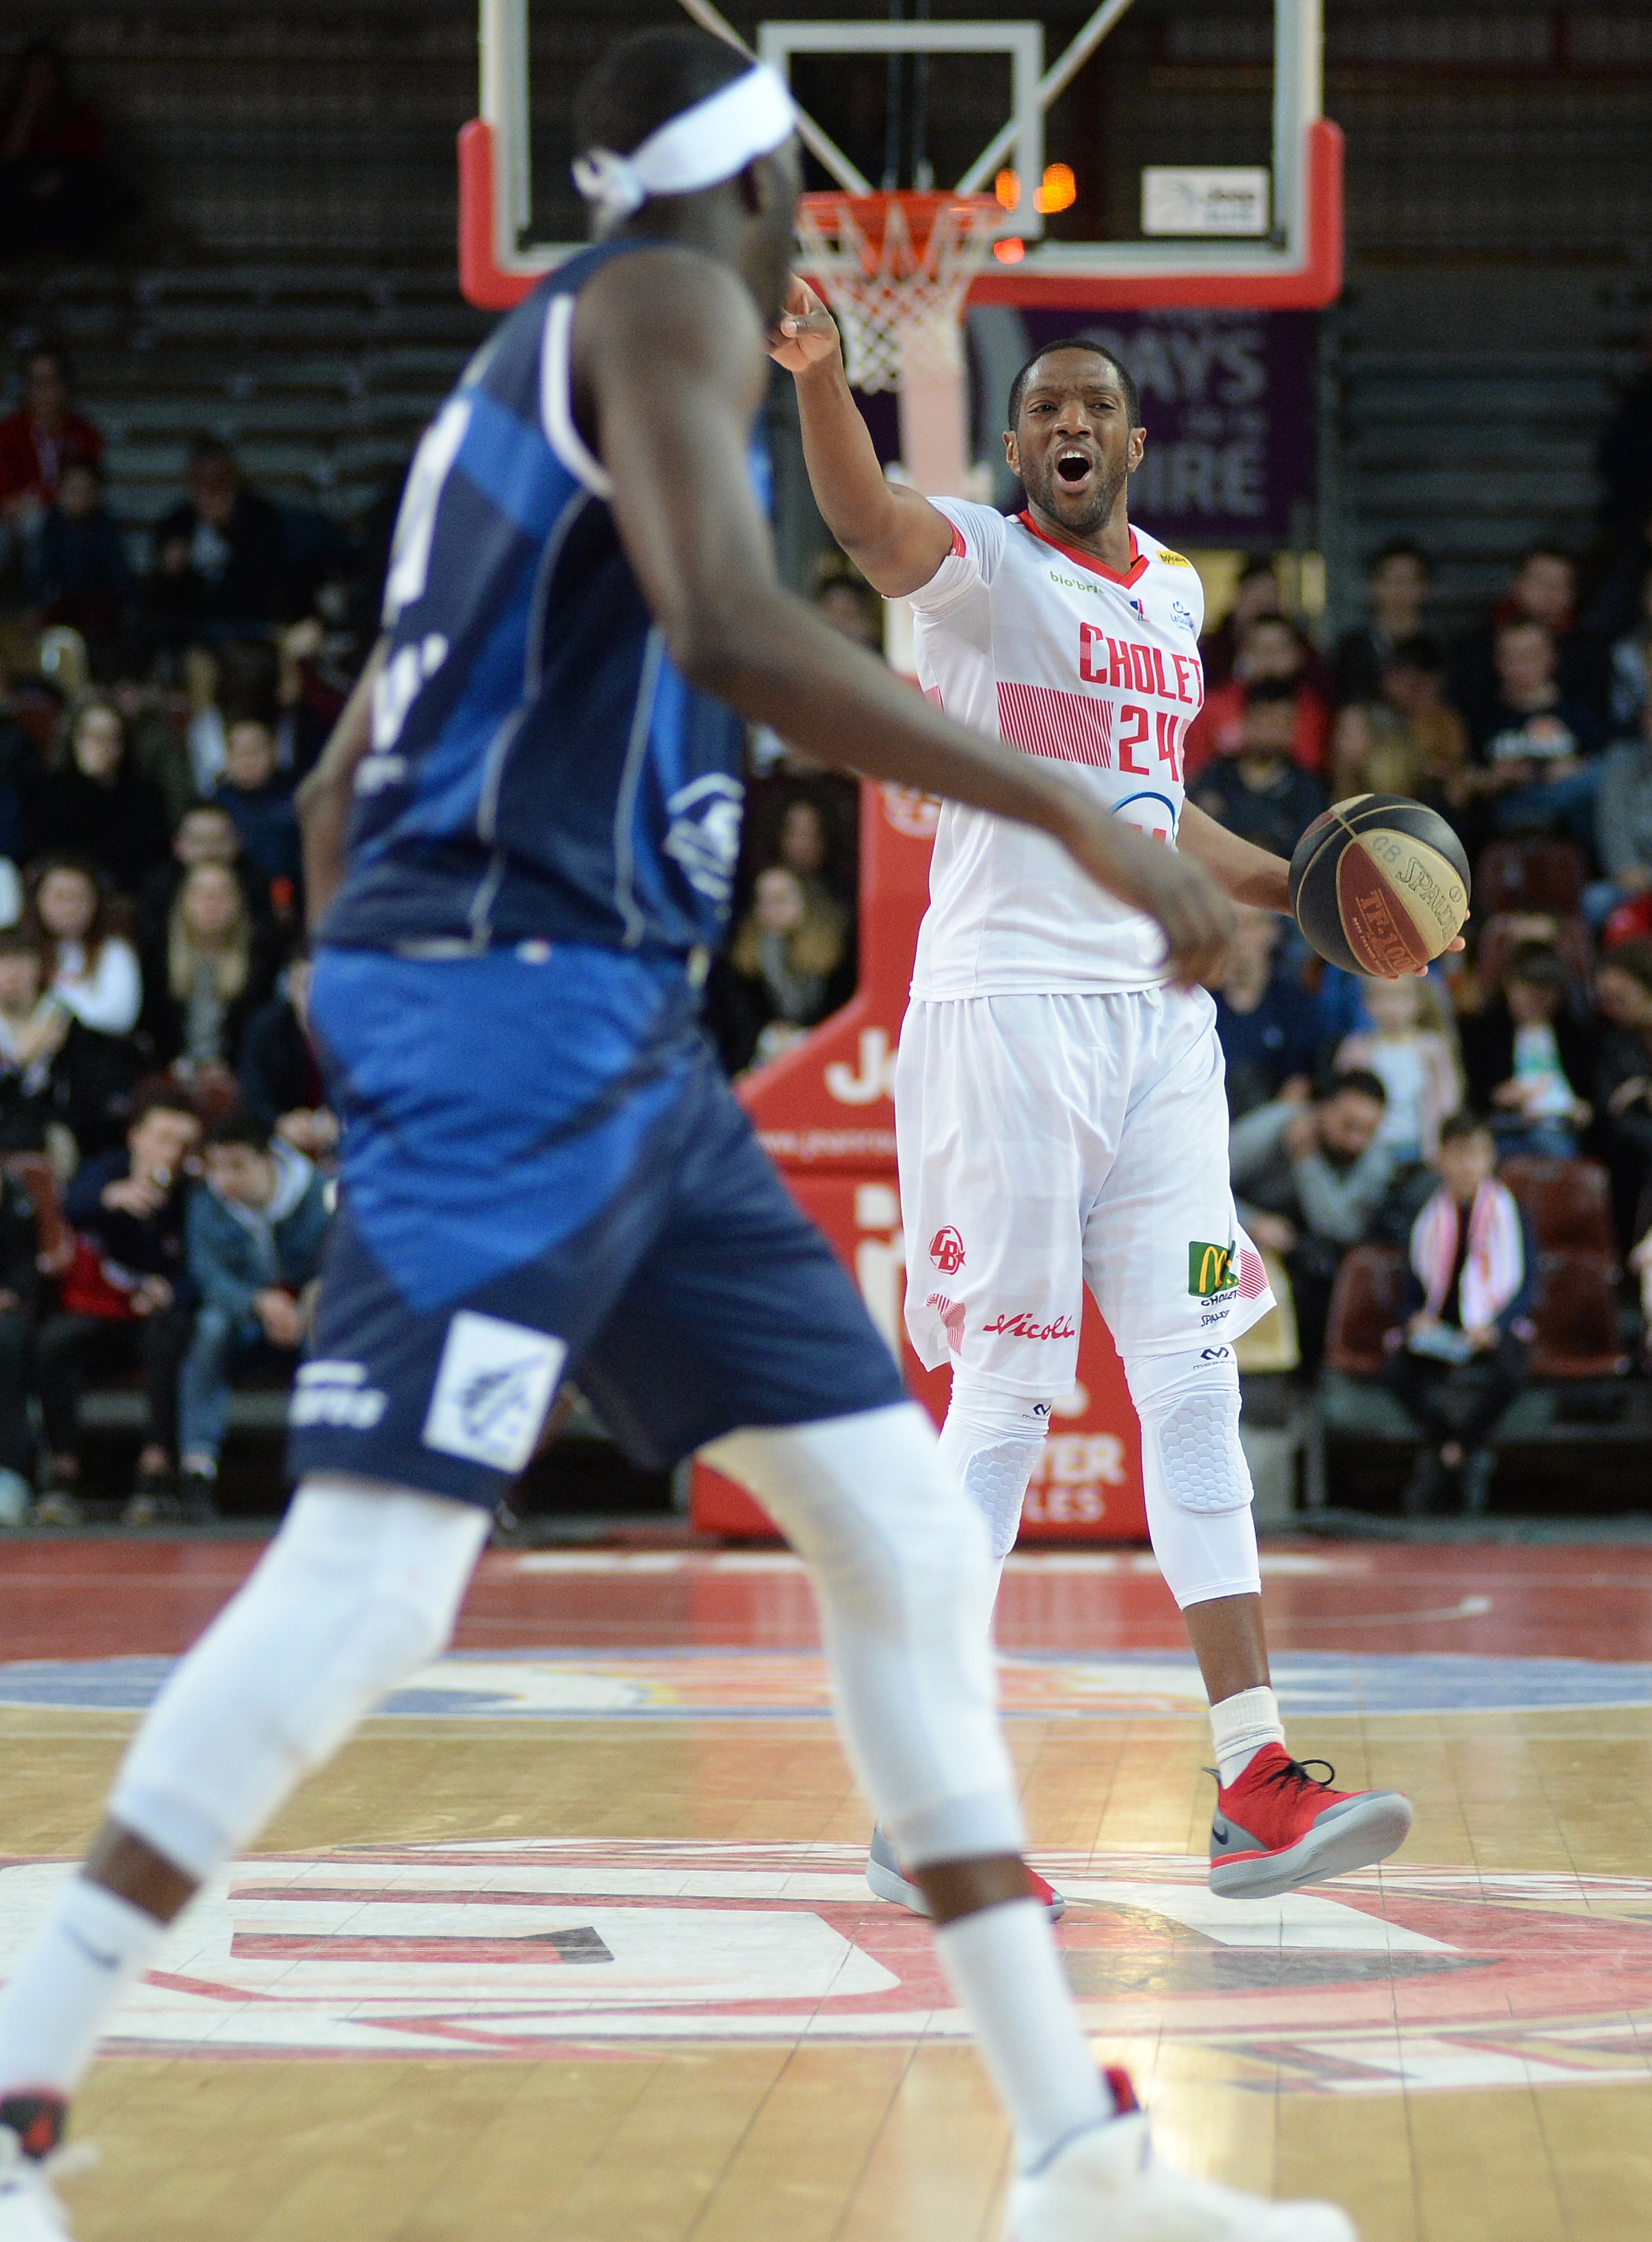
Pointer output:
x,y
1379,884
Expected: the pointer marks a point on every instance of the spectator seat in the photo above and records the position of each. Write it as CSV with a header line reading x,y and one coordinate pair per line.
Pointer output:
x,y
54,1240
1569,1203
1577,1318
1502,935
1365,1304
1516,875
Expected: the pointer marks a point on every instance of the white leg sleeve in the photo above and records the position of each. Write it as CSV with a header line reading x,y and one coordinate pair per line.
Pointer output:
x,y
990,1443
1197,1482
359,1589
900,1566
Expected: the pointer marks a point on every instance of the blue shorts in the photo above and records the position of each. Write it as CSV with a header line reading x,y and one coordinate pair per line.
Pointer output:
x,y
543,1171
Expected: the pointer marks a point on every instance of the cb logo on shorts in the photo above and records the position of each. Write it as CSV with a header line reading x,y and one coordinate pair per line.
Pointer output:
x,y
946,1250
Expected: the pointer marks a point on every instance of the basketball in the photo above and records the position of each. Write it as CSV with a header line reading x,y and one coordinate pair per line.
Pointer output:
x,y
1379,884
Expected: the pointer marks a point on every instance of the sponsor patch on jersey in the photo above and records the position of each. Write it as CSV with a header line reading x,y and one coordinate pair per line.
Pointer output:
x,y
1025,1325
1173,559
1184,615
491,1391
1210,1269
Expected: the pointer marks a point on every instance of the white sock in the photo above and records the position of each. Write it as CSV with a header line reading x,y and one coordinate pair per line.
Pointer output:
x,y
90,1949
1003,1964
1241,1726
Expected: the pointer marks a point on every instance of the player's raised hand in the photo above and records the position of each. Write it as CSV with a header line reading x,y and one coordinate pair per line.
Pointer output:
x,y
805,333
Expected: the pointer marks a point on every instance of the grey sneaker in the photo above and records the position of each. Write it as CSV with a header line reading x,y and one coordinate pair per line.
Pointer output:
x,y
884,1875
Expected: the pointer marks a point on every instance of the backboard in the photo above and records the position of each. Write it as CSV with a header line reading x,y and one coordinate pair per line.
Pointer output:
x,y
1242,236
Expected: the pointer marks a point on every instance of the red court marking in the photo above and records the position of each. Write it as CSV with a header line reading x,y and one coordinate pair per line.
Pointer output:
x,y
92,1598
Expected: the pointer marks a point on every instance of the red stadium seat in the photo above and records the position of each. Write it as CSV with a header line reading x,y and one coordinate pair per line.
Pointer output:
x,y
1569,1203
1365,1303
1522,875
1577,1317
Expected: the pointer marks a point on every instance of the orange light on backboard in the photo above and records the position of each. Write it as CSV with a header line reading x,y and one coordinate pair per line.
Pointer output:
x,y
1010,251
1007,188
1059,190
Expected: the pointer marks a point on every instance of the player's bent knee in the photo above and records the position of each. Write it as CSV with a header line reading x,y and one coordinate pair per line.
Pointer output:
x,y
359,1589
990,1443
1189,1407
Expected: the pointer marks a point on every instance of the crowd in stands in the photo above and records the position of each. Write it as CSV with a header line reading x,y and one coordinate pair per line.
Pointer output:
x,y
164,1136
164,1126
1380,1115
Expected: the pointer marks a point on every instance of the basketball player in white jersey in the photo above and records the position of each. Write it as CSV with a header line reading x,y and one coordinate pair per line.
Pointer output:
x,y
1060,1114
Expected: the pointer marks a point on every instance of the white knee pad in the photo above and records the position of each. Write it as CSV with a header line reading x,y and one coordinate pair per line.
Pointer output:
x,y
900,1566
359,1589
990,1443
1194,1475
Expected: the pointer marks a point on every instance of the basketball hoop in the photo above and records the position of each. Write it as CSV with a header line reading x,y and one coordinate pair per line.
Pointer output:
x,y
895,270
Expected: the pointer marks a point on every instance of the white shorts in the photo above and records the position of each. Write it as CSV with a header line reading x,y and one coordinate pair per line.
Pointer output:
x,y
1049,1142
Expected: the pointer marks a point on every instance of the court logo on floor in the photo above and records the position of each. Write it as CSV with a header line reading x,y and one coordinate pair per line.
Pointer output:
x,y
1416,1979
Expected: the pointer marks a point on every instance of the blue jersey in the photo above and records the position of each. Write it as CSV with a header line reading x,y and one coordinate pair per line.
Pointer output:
x,y
539,770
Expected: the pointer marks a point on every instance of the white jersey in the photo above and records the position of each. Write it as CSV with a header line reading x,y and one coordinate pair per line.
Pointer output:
x,y
1059,656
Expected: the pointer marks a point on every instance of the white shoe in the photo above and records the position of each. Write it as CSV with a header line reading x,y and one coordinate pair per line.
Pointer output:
x,y
884,1875
1105,2187
30,2211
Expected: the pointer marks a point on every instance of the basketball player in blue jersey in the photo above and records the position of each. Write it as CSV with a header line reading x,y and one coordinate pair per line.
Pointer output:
x,y
542,1171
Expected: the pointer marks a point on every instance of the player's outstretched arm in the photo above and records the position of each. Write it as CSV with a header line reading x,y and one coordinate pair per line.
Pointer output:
x,y
670,373
1239,868
894,537
324,800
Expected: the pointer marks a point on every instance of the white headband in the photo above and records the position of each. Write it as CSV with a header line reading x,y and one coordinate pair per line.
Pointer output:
x,y
749,116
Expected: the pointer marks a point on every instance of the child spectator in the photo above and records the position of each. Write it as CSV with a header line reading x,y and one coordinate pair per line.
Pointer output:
x,y
210,974
120,1304
1271,652
92,799
1307,1181
255,1231
1405,738
1256,791
1623,827
78,574
56,1076
1408,1049
785,971
1471,1281
1268,1024
259,803
1397,588
1527,1058
281,1082
19,1283
92,969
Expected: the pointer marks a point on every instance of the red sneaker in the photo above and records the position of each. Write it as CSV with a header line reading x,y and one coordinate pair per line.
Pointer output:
x,y
1277,1826
884,1876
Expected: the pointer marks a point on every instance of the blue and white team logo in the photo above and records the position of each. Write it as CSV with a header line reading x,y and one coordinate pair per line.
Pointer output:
x,y
704,835
1183,614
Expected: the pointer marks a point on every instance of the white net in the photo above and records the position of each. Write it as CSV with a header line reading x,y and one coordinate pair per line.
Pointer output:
x,y
895,270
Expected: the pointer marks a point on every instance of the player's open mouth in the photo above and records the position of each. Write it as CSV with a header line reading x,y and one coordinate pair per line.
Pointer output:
x,y
1073,468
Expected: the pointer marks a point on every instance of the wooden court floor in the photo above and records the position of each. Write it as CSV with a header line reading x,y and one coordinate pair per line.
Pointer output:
x,y
571,1943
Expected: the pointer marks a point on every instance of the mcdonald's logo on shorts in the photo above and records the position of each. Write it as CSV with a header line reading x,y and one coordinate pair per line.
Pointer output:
x,y
1212,1269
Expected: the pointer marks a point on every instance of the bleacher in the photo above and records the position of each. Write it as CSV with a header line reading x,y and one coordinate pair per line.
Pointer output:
x,y
322,376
